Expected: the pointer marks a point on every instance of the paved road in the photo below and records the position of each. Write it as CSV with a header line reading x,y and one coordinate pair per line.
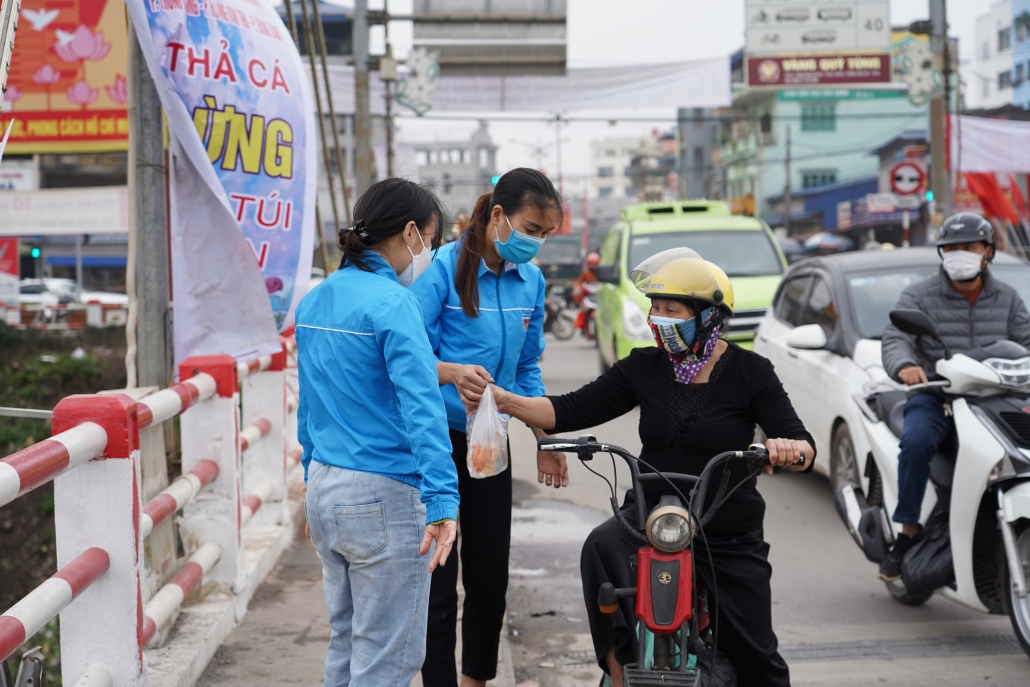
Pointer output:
x,y
835,621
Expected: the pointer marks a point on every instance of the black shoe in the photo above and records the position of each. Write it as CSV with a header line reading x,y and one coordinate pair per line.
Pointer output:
x,y
890,569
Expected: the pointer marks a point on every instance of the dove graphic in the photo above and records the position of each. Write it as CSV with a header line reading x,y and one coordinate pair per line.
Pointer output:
x,y
39,19
64,37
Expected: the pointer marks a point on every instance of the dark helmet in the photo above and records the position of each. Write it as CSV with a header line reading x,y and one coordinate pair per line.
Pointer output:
x,y
966,227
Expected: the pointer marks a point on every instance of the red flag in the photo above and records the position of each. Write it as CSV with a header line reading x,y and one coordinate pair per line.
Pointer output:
x,y
973,182
1017,195
993,200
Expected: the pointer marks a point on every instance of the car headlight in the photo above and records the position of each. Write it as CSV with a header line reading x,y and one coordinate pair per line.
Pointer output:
x,y
670,528
1012,372
634,324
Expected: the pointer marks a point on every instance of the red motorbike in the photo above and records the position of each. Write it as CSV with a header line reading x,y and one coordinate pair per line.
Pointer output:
x,y
587,299
675,640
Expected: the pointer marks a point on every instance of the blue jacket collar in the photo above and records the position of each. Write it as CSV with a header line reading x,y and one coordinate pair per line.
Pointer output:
x,y
520,270
378,265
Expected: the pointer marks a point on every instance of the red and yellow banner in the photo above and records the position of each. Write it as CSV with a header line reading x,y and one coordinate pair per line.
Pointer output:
x,y
66,91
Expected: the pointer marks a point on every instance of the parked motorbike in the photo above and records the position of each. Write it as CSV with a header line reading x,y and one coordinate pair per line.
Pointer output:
x,y
556,320
975,546
585,320
675,639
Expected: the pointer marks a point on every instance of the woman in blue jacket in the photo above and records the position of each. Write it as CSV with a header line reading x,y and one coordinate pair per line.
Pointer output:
x,y
376,451
483,305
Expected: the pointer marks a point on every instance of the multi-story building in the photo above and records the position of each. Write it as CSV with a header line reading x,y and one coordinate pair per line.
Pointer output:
x,y
459,171
990,84
832,132
611,162
1021,53
699,131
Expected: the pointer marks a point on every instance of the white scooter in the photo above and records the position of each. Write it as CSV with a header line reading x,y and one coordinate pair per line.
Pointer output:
x,y
981,477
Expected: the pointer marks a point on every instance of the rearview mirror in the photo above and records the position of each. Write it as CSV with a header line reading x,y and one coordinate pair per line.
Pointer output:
x,y
914,322
608,274
807,337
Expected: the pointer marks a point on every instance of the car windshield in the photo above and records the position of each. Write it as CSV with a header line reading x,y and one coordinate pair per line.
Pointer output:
x,y
875,294
739,253
1016,276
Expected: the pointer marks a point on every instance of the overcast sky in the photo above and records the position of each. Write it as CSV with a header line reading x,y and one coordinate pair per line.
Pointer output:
x,y
624,32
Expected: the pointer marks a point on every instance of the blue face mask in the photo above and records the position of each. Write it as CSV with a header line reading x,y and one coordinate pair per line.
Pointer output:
x,y
520,247
678,336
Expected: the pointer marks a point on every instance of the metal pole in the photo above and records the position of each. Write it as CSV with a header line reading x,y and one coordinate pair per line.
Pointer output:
x,y
148,236
309,39
905,229
557,148
78,260
362,114
787,200
320,34
939,182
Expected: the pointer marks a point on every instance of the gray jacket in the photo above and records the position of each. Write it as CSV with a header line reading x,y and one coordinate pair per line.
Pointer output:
x,y
999,313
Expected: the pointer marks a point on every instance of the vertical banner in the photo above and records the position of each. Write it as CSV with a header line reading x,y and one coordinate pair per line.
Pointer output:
x,y
66,89
241,118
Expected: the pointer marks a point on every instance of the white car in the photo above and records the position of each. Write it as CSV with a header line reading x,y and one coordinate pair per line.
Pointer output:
x,y
60,291
823,336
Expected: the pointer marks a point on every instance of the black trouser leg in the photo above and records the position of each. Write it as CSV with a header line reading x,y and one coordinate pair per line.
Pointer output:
x,y
743,605
485,515
744,617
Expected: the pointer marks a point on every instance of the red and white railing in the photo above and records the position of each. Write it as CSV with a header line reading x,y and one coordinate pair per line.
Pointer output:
x,y
93,458
31,614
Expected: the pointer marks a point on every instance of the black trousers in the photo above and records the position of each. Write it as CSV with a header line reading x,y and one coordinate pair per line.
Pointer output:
x,y
485,518
742,611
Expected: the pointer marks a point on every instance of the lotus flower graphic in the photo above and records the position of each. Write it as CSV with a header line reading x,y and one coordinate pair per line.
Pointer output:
x,y
82,45
117,92
46,76
82,94
13,93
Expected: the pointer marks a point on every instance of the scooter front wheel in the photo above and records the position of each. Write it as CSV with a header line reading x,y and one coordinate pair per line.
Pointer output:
x,y
900,594
1020,608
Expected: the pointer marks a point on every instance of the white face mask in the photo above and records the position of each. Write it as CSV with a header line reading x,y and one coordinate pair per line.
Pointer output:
x,y
962,265
419,264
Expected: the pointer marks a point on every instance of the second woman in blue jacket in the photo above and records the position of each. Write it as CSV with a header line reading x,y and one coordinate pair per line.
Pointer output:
x,y
483,304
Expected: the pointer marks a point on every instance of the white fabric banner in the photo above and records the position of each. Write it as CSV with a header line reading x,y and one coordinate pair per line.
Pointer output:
x,y
55,212
241,115
699,83
979,144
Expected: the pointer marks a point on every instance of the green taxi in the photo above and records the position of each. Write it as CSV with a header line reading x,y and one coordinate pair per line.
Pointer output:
x,y
742,246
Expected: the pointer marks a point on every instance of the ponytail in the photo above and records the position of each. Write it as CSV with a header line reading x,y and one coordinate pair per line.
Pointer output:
x,y
513,192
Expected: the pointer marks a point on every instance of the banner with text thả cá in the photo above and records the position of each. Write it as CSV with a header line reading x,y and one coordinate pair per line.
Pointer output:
x,y
242,179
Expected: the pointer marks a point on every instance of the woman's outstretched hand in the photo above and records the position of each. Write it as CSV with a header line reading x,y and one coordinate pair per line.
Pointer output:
x,y
787,452
444,533
552,469
470,380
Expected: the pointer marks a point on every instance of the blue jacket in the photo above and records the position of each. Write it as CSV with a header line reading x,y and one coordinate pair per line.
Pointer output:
x,y
508,336
369,392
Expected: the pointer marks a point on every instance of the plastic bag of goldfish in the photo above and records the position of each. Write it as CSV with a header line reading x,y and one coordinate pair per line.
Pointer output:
x,y
487,431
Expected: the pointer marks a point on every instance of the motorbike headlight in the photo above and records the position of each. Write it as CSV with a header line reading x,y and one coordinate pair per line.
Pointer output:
x,y
1012,372
634,324
670,528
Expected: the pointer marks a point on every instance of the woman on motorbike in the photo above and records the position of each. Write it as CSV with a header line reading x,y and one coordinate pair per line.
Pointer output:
x,y
698,396
483,305
381,484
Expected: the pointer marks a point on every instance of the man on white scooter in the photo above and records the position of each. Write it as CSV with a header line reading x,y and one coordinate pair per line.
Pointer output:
x,y
970,308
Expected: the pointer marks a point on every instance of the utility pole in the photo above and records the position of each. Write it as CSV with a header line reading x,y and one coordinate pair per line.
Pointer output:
x,y
150,339
787,200
362,114
940,183
388,74
557,120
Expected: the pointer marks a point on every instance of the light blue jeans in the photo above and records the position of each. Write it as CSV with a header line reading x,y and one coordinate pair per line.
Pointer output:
x,y
367,529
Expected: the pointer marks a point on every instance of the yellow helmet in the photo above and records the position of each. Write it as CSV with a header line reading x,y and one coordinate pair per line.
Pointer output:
x,y
680,274
725,285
